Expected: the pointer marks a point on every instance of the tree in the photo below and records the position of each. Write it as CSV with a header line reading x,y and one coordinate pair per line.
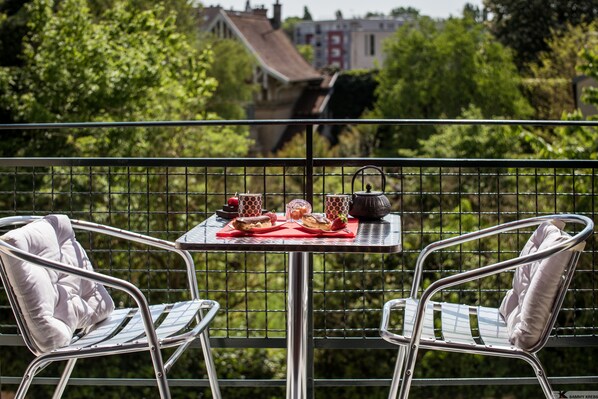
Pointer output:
x,y
288,26
126,65
525,25
338,14
436,70
306,14
573,142
590,68
474,12
232,70
549,82
353,93
473,141
13,27
306,51
187,18
406,12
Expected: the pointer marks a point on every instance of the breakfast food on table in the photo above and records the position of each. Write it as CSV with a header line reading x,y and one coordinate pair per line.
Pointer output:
x,y
315,221
250,204
230,210
272,215
297,208
252,222
340,222
233,201
336,204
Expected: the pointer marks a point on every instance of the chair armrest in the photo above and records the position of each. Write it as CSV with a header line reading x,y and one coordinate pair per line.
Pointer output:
x,y
110,281
460,278
489,270
94,276
146,240
491,231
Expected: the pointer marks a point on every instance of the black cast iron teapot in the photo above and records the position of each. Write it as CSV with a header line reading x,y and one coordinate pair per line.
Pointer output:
x,y
369,204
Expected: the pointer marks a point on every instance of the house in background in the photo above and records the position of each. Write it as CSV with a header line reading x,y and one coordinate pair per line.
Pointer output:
x,y
347,43
290,88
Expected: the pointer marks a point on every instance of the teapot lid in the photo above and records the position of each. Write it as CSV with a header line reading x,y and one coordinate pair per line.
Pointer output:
x,y
369,192
368,187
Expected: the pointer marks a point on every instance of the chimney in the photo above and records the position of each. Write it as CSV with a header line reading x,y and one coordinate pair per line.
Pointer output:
x,y
277,19
261,11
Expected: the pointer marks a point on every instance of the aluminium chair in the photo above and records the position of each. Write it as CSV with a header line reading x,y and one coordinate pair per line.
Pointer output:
x,y
522,324
64,312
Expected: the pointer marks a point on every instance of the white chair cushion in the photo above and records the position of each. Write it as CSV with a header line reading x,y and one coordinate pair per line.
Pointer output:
x,y
527,306
54,304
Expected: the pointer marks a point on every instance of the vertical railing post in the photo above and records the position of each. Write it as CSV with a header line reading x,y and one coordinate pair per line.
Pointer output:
x,y
309,164
309,194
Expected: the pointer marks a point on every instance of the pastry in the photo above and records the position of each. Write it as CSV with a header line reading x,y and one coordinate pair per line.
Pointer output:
x,y
315,221
252,222
297,208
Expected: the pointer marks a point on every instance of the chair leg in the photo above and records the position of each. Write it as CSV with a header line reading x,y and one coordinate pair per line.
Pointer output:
x,y
160,372
64,379
204,340
533,360
408,372
34,367
396,378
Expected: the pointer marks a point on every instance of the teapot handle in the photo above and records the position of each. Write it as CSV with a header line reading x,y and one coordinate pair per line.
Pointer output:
x,y
369,167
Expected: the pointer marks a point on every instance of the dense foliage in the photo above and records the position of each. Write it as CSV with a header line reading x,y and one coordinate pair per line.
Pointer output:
x,y
353,94
526,25
549,81
12,29
437,70
231,68
572,142
123,65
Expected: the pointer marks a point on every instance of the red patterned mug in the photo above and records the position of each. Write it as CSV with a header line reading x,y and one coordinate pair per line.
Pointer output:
x,y
250,205
335,204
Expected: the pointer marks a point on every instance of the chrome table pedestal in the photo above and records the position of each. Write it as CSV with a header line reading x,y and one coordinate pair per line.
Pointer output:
x,y
297,324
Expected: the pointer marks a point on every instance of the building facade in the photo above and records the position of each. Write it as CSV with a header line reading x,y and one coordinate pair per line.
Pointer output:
x,y
347,43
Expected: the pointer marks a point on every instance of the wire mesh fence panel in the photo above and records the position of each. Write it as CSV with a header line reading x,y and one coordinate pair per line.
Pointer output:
x,y
436,200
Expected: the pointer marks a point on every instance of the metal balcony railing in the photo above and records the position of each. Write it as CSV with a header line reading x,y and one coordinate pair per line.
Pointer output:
x,y
436,198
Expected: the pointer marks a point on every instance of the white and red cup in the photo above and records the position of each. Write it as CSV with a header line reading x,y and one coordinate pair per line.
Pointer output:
x,y
250,205
335,204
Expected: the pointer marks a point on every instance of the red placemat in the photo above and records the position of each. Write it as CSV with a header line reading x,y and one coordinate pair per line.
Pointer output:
x,y
290,230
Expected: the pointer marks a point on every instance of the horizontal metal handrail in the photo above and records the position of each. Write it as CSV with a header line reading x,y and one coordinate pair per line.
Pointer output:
x,y
297,162
263,122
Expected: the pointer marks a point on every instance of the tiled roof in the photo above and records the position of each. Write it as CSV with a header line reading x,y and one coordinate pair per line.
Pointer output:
x,y
314,99
273,48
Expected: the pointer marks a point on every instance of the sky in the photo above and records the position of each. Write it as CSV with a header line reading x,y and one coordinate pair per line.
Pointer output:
x,y
326,9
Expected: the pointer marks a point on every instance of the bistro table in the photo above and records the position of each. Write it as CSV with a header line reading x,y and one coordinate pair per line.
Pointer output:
x,y
373,236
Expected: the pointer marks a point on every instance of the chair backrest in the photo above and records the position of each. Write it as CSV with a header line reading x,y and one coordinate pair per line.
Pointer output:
x,y
531,308
49,305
